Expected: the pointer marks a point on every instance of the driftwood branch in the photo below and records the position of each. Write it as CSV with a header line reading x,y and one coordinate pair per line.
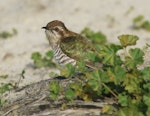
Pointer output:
x,y
34,100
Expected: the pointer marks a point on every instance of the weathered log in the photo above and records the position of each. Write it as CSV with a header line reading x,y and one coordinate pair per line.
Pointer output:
x,y
34,99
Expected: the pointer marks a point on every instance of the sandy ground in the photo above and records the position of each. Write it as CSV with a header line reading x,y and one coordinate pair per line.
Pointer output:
x,y
112,17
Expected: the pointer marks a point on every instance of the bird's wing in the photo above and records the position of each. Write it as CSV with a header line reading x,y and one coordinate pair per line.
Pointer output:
x,y
76,47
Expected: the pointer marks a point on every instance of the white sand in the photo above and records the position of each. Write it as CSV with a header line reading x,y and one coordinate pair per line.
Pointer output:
x,y
28,16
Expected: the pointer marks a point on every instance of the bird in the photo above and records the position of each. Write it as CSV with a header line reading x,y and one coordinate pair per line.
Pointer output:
x,y
68,47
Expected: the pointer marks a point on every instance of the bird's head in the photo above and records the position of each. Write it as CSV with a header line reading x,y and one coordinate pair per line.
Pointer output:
x,y
55,31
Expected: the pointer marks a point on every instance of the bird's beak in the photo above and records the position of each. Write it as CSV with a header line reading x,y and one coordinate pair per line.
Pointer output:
x,y
45,28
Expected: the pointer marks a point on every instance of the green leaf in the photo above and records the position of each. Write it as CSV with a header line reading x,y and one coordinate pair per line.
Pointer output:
x,y
138,21
137,54
128,40
54,89
146,100
95,80
123,99
3,76
39,63
132,82
53,96
92,57
138,18
75,86
136,58
45,61
119,73
80,90
5,34
99,38
95,37
115,47
70,94
107,109
68,70
54,86
36,55
146,73
146,25
108,53
49,54
116,74
5,87
81,66
147,86
128,112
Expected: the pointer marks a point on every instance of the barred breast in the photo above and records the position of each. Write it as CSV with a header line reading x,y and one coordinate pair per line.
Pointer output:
x,y
62,58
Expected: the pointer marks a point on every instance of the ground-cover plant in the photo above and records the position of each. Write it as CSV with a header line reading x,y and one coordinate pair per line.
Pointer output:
x,y
3,88
43,61
139,22
8,86
119,78
6,34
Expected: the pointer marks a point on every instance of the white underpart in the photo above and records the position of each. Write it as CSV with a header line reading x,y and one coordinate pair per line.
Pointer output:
x,y
53,37
62,58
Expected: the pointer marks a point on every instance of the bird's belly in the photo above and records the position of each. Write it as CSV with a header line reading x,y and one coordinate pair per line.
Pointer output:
x,y
62,58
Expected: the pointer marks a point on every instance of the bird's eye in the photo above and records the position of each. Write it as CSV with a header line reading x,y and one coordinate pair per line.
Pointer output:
x,y
56,29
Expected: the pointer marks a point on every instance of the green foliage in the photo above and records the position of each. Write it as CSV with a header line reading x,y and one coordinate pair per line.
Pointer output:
x,y
146,100
54,88
95,37
118,78
108,109
146,73
108,53
94,82
133,111
6,34
116,74
70,94
139,22
135,58
3,76
123,99
3,89
45,61
68,70
127,40
22,74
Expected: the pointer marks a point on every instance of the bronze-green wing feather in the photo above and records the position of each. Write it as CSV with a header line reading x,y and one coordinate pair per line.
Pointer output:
x,y
77,47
